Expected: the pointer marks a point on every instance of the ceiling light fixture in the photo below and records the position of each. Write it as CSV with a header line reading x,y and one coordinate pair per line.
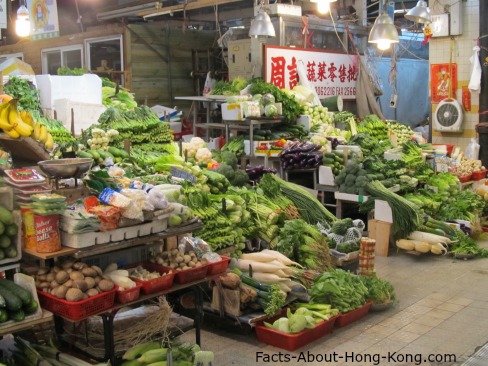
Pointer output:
x,y
383,33
420,13
323,6
261,25
22,23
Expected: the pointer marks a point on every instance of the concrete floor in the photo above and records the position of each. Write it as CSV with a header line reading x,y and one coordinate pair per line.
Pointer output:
x,y
442,310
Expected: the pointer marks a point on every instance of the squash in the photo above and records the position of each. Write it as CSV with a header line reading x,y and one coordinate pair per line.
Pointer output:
x,y
422,246
405,244
438,249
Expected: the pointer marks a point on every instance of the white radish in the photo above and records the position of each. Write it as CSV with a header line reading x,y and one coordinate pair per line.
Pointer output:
x,y
269,278
281,257
428,237
243,265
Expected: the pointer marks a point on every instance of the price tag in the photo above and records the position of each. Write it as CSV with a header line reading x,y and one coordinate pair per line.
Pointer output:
x,y
183,175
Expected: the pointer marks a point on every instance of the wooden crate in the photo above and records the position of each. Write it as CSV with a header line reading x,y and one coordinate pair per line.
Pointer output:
x,y
380,231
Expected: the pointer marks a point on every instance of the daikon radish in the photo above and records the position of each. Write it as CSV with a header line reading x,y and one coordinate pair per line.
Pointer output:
x,y
405,244
268,277
119,272
284,287
428,237
244,264
258,257
281,257
281,273
121,281
422,246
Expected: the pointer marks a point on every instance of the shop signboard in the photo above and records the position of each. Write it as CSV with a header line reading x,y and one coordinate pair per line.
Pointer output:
x,y
331,73
3,14
443,78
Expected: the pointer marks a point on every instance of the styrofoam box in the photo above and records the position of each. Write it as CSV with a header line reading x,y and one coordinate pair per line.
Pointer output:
x,y
79,89
84,114
79,240
175,126
18,239
145,229
131,232
354,148
350,197
305,121
382,211
232,112
159,226
326,177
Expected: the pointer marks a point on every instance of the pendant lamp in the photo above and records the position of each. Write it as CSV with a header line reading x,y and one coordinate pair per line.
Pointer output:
x,y
261,25
383,33
420,13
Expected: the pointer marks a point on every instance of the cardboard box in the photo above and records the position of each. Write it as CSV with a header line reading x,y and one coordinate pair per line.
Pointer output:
x,y
380,231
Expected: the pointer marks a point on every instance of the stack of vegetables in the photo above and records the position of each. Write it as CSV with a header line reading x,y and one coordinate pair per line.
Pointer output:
x,y
121,99
399,132
305,244
148,154
370,145
341,289
228,168
319,116
271,267
271,189
374,126
466,167
303,318
139,125
344,235
334,160
300,155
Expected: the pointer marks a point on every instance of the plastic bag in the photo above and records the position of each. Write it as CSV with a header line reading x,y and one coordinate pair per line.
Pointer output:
x,y
472,150
199,246
138,202
209,84
157,198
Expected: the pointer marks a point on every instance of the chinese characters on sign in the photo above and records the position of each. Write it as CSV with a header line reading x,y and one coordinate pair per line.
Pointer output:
x,y
443,77
331,73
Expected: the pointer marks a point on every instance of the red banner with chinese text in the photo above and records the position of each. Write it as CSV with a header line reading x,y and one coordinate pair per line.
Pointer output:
x,y
331,73
442,77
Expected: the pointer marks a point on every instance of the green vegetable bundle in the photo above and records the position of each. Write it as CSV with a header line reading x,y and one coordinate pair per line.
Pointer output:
x,y
343,290
379,291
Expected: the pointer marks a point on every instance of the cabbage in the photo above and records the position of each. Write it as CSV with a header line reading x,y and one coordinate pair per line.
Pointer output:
x,y
270,110
257,98
268,98
310,322
281,324
297,323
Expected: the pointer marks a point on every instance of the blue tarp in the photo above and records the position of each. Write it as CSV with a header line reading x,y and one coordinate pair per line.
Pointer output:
x,y
412,85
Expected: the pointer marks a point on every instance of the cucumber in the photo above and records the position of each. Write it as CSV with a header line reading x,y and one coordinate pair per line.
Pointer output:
x,y
32,307
114,151
84,154
3,315
12,301
124,154
6,216
94,154
24,295
16,316
105,154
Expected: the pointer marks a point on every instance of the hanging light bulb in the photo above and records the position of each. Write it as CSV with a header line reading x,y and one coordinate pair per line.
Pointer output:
x,y
323,7
22,23
383,46
383,33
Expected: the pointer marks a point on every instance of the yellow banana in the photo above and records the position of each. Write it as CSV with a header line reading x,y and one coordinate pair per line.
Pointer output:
x,y
37,130
14,118
27,117
12,133
49,144
43,134
4,122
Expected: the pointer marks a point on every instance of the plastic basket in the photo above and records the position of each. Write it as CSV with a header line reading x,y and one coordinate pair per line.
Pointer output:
x,y
79,309
353,315
191,275
294,341
130,294
465,178
218,267
156,284
479,175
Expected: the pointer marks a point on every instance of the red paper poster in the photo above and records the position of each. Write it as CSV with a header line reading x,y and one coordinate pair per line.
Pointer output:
x,y
442,78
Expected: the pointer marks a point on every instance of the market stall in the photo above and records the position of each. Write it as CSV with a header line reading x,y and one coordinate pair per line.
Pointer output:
x,y
120,214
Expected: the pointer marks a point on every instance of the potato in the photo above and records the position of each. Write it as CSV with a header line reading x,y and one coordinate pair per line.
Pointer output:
x,y
98,270
43,271
76,275
60,291
56,269
74,294
106,285
80,284
67,265
68,283
90,282
44,284
97,280
42,277
61,277
92,292
78,266
89,272
53,284
85,296
69,270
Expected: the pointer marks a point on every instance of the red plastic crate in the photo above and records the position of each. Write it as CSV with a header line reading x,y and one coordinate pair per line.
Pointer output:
x,y
353,315
294,341
156,284
465,178
479,175
218,267
79,309
191,275
130,294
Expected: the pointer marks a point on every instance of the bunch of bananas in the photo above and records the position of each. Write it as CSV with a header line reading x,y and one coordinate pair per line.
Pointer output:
x,y
14,123
42,135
